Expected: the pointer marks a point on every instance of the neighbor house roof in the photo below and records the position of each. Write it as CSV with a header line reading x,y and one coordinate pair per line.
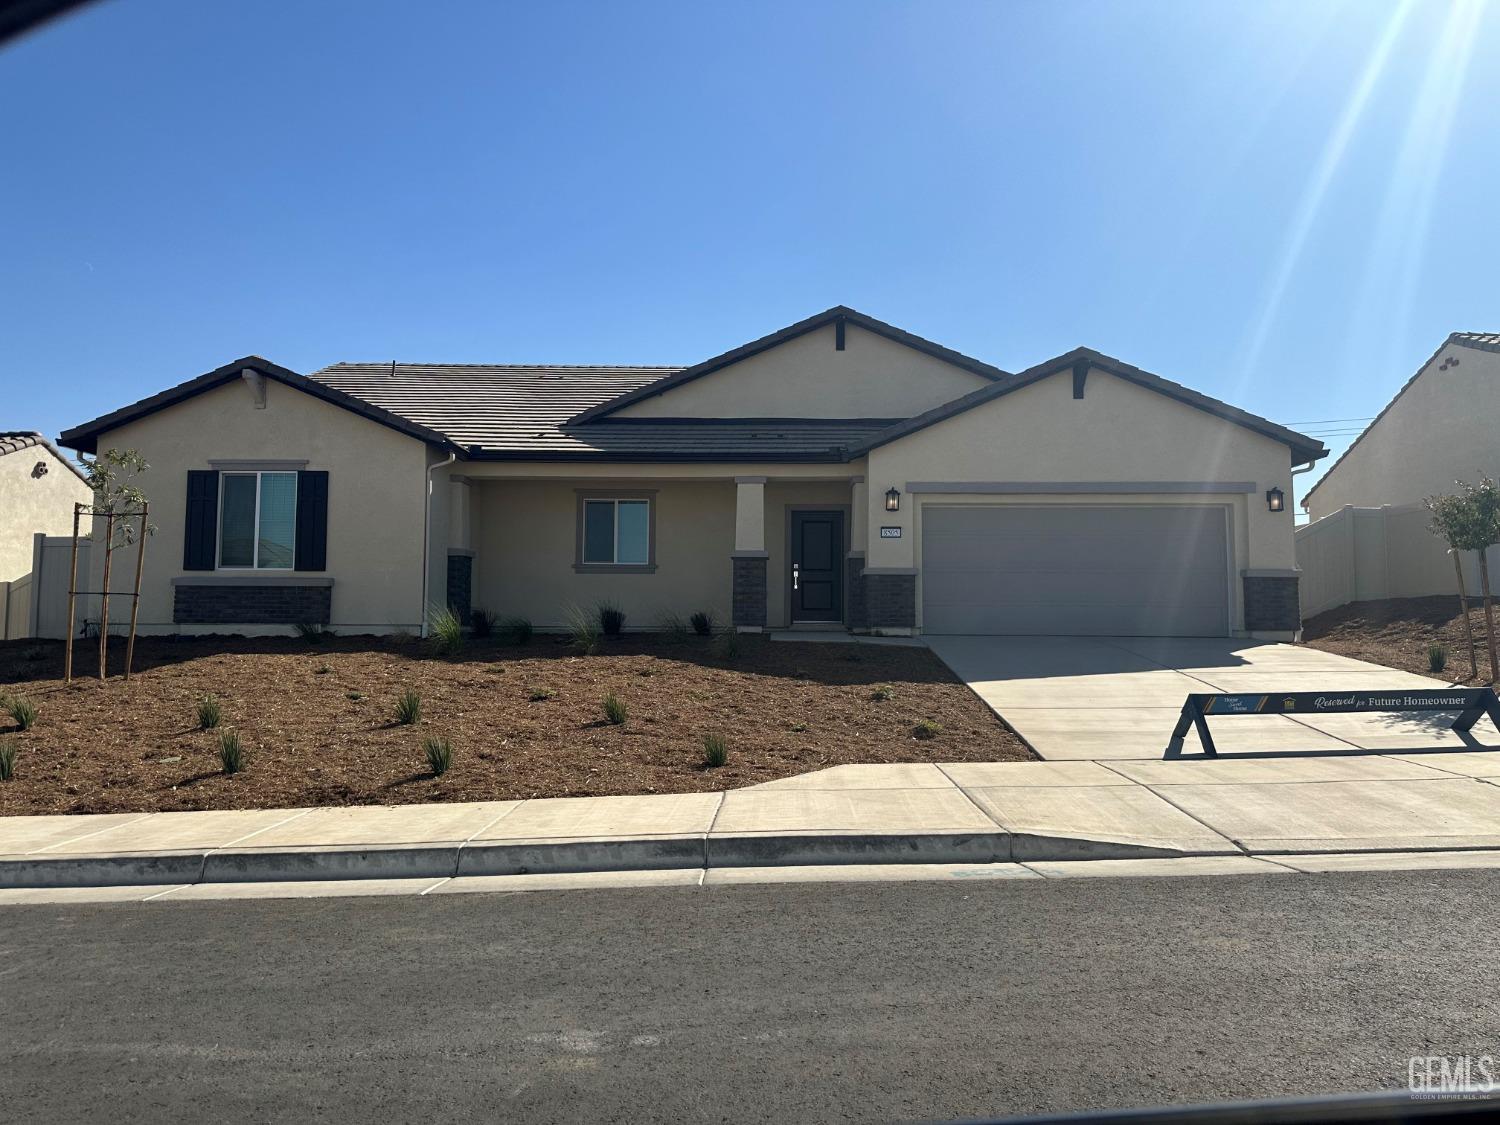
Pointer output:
x,y
14,441
1303,447
523,412
839,314
1480,341
84,438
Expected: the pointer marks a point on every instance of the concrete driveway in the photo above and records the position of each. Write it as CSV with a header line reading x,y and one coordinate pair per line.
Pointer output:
x,y
1101,698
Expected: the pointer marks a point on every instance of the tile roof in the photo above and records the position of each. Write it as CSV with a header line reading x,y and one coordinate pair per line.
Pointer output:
x,y
522,411
13,441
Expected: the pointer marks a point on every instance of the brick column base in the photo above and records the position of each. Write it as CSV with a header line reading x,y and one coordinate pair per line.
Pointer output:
x,y
890,600
1272,603
460,585
749,610
854,593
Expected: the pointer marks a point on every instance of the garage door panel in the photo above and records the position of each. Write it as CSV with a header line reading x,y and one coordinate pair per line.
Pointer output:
x,y
1123,570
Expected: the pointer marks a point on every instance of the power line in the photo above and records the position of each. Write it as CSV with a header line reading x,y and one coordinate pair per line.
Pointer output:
x,y
1329,421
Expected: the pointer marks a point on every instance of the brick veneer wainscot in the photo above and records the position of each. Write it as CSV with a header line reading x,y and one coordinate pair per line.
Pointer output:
x,y
890,600
240,604
1271,603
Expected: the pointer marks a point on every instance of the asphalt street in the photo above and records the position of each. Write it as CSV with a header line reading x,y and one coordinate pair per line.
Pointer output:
x,y
809,1002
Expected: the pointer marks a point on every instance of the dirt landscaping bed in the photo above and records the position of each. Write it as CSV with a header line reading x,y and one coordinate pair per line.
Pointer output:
x,y
1396,632
318,720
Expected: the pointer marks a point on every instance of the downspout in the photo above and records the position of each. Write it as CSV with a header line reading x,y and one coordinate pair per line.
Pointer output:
x,y
427,531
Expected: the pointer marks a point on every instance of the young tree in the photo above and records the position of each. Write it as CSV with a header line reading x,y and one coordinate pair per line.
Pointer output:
x,y
1450,520
1470,521
118,500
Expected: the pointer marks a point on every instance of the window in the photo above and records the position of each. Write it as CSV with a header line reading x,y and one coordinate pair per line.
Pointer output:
x,y
257,520
616,533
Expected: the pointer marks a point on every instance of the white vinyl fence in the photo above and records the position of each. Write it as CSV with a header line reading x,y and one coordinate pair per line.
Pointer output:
x,y
1362,554
36,604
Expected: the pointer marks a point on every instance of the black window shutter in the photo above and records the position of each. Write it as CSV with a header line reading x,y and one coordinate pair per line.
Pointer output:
x,y
202,522
312,520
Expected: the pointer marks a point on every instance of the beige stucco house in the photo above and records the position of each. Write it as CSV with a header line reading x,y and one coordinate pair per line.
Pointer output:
x,y
1367,537
38,487
839,473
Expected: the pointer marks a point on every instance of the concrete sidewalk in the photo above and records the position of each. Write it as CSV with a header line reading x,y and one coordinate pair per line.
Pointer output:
x,y
965,813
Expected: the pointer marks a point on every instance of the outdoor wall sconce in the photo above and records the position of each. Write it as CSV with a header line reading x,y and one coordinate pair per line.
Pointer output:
x,y
892,500
1275,500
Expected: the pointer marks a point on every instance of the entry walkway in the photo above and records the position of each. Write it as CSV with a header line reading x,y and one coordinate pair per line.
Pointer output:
x,y
1117,698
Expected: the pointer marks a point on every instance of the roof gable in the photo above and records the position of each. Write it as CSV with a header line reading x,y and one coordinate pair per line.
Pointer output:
x,y
838,320
14,441
1303,448
84,438
1479,341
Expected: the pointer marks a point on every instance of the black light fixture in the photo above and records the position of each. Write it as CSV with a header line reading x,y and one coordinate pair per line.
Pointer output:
x,y
892,500
1275,499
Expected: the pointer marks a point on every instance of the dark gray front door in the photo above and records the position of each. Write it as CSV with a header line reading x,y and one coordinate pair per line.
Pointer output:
x,y
817,552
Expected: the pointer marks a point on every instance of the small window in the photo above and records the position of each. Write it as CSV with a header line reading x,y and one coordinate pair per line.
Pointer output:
x,y
257,520
616,532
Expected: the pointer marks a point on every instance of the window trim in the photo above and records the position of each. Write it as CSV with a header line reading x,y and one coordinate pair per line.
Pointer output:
x,y
586,494
254,567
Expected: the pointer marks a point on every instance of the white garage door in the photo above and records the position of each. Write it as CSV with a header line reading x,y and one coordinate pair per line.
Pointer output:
x,y
1120,571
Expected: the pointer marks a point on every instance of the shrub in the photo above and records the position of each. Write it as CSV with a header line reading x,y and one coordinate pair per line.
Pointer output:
x,y
1437,658
7,760
312,632
882,694
518,629
926,729
673,625
23,711
615,710
703,624
727,645
209,712
231,753
439,753
445,632
408,708
323,669
541,694
354,696
799,727
611,618
481,622
583,628
715,751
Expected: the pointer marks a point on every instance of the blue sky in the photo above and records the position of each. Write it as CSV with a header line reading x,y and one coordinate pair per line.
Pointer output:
x,y
1287,205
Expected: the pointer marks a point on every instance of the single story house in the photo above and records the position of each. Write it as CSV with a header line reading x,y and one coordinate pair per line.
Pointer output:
x,y
39,485
1367,537
840,473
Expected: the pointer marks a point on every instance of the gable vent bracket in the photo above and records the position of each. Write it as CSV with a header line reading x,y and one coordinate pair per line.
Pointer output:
x,y
1080,376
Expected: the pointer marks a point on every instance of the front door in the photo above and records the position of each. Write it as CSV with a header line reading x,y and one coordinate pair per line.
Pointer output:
x,y
817,581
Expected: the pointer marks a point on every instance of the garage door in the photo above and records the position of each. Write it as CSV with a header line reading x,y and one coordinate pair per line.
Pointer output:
x,y
1105,571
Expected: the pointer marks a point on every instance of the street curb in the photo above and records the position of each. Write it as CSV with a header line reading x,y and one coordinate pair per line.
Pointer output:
x,y
523,857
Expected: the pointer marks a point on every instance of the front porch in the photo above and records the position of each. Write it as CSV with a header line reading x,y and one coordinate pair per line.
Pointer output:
x,y
775,548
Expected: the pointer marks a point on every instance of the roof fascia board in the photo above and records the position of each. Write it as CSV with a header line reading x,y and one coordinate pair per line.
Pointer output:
x,y
839,313
1308,448
84,438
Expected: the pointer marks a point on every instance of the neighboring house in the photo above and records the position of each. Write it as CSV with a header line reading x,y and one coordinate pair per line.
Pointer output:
x,y
839,473
1368,534
38,488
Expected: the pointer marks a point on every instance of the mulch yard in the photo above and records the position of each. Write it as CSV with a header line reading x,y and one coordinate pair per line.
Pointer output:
x,y
318,720
1396,632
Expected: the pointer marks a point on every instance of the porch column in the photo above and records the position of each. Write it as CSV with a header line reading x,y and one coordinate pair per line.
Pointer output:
x,y
854,565
749,557
460,585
